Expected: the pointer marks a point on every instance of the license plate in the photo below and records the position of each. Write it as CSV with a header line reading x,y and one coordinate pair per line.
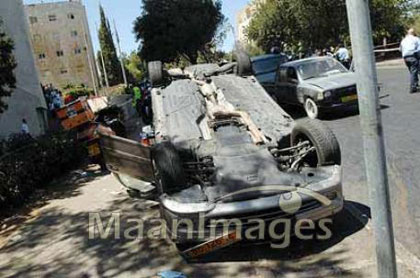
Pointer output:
x,y
94,150
349,98
211,246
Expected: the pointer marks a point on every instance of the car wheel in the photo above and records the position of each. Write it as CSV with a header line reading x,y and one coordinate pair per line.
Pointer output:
x,y
155,73
168,166
244,63
311,108
327,149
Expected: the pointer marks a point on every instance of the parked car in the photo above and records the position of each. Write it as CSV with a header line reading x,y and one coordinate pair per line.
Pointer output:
x,y
318,84
266,66
223,149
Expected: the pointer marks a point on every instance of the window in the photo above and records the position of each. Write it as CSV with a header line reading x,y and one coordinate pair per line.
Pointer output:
x,y
80,68
70,16
77,51
60,53
52,17
41,56
291,74
74,33
63,71
33,19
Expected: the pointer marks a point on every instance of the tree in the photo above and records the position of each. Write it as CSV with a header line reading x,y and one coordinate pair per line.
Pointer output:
x,y
112,64
7,66
168,29
308,24
134,67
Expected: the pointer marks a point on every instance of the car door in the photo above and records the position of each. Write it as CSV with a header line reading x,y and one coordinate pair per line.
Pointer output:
x,y
130,162
280,90
292,85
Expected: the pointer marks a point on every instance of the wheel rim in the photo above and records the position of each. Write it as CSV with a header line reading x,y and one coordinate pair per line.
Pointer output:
x,y
311,109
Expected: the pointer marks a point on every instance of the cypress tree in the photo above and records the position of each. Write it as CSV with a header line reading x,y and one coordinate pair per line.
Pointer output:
x,y
112,64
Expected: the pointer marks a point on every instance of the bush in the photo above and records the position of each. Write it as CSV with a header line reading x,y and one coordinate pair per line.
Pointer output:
x,y
33,163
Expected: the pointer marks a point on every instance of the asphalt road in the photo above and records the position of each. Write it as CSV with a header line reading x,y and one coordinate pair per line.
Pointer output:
x,y
401,123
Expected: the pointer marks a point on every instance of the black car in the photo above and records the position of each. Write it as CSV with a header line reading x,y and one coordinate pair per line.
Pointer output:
x,y
265,67
318,84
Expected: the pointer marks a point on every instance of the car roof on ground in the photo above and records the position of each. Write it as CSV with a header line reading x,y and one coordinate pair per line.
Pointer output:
x,y
266,57
306,60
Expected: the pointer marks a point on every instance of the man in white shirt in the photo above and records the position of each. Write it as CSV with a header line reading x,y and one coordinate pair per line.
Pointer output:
x,y
410,49
343,55
25,128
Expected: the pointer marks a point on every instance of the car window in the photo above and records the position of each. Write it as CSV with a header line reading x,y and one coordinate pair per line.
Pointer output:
x,y
267,65
291,74
320,68
282,77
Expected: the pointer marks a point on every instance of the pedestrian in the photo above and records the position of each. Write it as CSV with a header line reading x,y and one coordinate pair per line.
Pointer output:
x,y
410,49
343,55
137,99
24,128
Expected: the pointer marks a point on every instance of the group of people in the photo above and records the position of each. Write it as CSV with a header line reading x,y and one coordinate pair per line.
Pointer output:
x,y
53,97
341,53
410,49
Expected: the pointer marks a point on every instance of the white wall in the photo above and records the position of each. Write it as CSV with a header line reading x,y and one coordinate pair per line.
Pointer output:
x,y
28,96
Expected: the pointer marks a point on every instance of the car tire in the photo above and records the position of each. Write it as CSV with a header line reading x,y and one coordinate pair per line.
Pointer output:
x,y
311,108
155,69
168,167
244,63
322,138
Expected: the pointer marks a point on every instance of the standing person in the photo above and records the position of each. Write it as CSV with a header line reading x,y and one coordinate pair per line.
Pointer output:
x,y
24,128
137,99
343,55
410,49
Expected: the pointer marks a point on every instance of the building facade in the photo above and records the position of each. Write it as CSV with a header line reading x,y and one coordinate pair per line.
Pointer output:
x,y
27,100
62,43
243,19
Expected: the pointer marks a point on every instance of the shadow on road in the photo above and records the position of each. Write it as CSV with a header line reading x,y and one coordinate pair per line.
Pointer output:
x,y
344,225
57,244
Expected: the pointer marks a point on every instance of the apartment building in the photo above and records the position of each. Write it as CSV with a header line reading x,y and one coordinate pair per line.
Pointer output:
x,y
27,101
62,43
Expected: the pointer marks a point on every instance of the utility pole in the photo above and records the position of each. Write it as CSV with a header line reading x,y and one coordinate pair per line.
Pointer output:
x,y
103,60
121,58
90,61
374,145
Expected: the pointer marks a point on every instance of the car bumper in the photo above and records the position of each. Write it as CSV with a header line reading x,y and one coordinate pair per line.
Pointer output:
x,y
267,209
337,105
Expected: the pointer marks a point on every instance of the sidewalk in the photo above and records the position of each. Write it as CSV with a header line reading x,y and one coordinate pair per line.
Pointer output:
x,y
394,63
54,243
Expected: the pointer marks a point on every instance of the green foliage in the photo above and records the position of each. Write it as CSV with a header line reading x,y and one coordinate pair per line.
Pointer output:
x,y
7,66
168,29
78,91
33,163
112,64
306,24
254,50
134,67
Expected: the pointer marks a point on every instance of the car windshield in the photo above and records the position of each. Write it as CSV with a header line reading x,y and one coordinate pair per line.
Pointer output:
x,y
267,65
320,68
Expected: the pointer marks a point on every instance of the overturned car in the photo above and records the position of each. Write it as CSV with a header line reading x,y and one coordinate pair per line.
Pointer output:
x,y
223,149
